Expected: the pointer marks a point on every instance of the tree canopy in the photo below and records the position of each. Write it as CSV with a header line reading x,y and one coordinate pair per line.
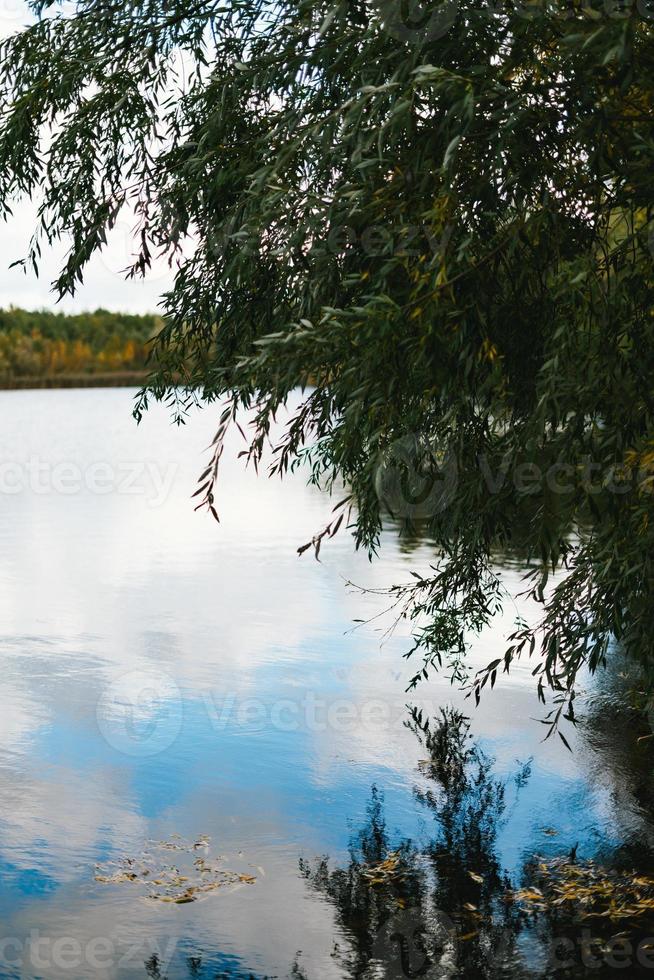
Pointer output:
x,y
436,219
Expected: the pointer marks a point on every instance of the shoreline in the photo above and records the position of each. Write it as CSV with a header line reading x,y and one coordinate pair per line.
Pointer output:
x,y
116,379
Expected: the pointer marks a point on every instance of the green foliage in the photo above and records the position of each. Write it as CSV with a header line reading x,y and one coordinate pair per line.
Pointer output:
x,y
42,344
444,228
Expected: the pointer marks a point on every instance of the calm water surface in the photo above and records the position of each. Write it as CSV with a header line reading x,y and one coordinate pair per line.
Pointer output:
x,y
163,675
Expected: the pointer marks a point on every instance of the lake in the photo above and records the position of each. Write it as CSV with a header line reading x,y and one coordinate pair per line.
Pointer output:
x,y
207,769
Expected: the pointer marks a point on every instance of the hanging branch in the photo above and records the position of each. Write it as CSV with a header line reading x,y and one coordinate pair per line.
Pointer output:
x,y
328,532
209,477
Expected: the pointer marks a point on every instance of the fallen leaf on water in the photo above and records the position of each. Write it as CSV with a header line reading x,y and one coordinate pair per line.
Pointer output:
x,y
115,879
169,884
529,895
388,870
589,890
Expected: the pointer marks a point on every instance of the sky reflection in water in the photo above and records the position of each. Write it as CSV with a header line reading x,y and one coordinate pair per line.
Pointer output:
x,y
162,675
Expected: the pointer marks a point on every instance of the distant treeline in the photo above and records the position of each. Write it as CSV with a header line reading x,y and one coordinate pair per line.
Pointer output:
x,y
50,346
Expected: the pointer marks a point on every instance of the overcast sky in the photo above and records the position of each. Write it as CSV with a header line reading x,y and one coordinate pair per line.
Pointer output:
x,y
103,283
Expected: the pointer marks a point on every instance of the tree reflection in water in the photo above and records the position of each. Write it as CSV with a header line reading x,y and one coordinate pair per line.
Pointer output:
x,y
442,913
447,908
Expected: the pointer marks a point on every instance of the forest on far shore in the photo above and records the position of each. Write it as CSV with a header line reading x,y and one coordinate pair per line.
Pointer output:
x,y
44,347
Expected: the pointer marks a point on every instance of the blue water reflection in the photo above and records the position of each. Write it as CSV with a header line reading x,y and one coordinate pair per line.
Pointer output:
x,y
163,675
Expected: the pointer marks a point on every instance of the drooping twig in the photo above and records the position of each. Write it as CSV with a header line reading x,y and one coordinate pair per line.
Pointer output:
x,y
209,477
328,532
